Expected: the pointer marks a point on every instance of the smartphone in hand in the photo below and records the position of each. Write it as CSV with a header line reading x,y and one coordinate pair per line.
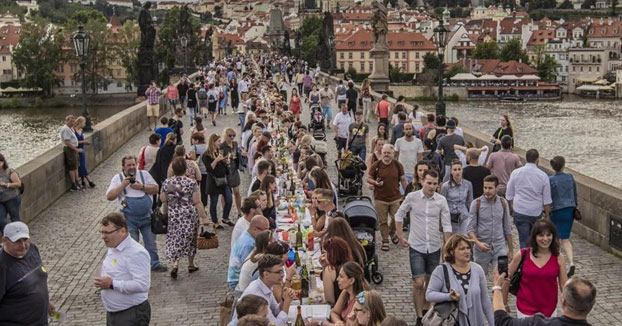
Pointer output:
x,y
502,265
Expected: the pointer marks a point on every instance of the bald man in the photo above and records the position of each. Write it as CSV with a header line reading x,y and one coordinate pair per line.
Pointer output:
x,y
243,246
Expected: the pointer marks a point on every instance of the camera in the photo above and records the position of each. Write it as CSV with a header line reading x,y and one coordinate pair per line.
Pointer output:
x,y
132,178
502,265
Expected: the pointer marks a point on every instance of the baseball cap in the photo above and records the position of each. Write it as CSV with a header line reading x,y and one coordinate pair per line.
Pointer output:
x,y
451,124
15,231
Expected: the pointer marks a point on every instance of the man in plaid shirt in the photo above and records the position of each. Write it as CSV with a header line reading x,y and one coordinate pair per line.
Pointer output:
x,y
153,107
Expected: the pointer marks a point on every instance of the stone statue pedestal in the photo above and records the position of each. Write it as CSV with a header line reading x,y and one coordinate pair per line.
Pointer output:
x,y
379,78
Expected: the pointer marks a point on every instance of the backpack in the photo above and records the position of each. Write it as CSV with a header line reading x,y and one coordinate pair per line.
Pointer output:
x,y
211,99
202,94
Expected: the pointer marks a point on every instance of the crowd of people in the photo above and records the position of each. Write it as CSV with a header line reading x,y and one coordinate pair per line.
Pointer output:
x,y
457,203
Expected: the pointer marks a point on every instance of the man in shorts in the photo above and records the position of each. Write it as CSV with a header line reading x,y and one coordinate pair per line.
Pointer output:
x,y
70,151
427,209
153,104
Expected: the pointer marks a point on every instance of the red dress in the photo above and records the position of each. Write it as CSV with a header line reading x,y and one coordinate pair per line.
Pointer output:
x,y
294,105
538,287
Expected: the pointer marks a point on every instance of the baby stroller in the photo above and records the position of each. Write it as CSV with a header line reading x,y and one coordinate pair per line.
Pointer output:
x,y
317,119
361,216
350,171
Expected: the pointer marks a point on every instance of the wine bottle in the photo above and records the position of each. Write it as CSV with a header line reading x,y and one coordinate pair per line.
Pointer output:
x,y
299,238
297,259
299,320
305,281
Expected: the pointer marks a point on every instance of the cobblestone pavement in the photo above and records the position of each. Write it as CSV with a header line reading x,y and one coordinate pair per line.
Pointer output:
x,y
68,238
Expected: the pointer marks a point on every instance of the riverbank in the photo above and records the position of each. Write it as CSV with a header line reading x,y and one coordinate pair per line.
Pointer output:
x,y
67,101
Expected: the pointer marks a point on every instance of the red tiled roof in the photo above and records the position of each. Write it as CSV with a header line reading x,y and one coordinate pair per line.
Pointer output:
x,y
512,25
364,39
357,16
540,37
9,37
234,38
498,67
597,30
114,21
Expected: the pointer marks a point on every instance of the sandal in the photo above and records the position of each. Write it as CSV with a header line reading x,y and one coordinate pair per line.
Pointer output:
x,y
385,246
395,239
192,269
174,273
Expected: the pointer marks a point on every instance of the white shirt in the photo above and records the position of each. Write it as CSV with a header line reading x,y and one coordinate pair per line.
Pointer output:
x,y
426,213
246,274
529,189
408,153
130,269
415,119
342,121
243,86
129,191
241,225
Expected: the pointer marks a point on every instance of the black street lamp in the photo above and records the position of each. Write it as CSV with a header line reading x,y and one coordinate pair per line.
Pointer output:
x,y
81,45
331,44
184,44
440,38
299,40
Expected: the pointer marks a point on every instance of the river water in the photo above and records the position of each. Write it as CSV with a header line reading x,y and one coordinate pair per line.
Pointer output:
x,y
27,133
587,132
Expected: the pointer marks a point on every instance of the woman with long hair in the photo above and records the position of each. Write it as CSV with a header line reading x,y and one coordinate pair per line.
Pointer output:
x,y
417,182
467,283
83,173
351,281
184,209
295,104
235,98
564,196
199,128
381,133
217,166
368,310
230,148
270,187
336,253
314,96
367,99
318,178
543,272
459,195
10,199
505,128
339,228
376,153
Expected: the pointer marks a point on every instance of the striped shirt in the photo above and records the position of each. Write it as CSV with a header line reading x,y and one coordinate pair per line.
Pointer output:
x,y
153,95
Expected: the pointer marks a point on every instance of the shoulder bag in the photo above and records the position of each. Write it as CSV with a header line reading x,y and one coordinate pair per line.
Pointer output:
x,y
159,219
515,280
442,313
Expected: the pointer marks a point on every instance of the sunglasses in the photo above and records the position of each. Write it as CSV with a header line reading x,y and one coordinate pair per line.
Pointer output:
x,y
323,200
231,136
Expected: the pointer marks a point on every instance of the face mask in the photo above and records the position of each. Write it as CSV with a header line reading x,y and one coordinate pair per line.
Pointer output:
x,y
310,184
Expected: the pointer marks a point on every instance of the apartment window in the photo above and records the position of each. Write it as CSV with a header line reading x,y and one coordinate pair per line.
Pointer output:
x,y
59,68
118,72
362,66
371,66
404,66
416,67
349,55
349,65
416,55
341,56
396,55
362,55
4,58
119,84
581,68
403,55
74,68
342,65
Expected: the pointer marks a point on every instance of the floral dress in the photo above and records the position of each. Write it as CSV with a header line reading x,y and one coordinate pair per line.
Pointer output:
x,y
183,219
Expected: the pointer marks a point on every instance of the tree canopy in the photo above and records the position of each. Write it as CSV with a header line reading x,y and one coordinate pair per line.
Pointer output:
x,y
486,50
513,51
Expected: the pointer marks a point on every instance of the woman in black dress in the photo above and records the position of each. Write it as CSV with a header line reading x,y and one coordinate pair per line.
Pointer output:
x,y
505,128
217,167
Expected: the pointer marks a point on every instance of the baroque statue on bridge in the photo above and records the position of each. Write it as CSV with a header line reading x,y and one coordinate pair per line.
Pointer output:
x,y
380,24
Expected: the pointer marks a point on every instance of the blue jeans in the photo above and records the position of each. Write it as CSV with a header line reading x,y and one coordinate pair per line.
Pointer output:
x,y
242,117
328,113
10,207
213,204
524,223
182,99
143,225
360,150
192,110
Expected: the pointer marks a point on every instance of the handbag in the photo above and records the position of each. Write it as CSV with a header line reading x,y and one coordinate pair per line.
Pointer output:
x,y
577,214
159,219
442,313
226,309
206,239
220,181
456,217
515,280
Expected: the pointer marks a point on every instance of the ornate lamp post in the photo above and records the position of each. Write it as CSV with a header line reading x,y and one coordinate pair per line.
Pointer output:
x,y
81,44
440,38
184,44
